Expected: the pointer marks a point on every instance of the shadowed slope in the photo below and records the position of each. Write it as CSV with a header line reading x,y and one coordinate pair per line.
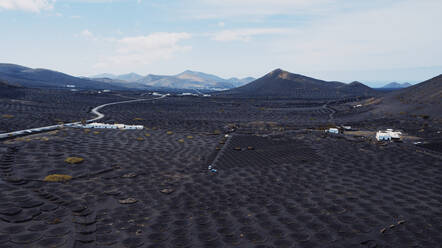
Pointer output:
x,y
423,98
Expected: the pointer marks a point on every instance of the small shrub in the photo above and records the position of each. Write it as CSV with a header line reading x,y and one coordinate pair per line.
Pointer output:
x,y
57,178
140,138
181,140
138,119
147,135
96,132
189,136
74,160
169,132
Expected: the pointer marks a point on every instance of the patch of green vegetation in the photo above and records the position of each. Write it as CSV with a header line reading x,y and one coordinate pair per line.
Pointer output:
x,y
57,178
74,160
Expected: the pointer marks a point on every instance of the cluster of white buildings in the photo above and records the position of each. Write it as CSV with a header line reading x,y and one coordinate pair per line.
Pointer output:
x,y
388,135
381,135
97,125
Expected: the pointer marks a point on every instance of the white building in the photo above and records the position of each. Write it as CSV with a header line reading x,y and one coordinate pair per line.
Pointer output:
x,y
388,135
332,130
382,136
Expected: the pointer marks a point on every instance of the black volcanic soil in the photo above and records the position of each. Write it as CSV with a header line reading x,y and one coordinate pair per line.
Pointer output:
x,y
24,108
210,114
300,189
278,180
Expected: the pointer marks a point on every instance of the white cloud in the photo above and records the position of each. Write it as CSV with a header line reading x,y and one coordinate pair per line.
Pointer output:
x,y
400,35
27,5
86,33
133,51
209,9
247,34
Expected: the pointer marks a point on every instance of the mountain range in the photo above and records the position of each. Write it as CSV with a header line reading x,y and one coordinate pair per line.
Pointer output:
x,y
44,78
185,80
280,83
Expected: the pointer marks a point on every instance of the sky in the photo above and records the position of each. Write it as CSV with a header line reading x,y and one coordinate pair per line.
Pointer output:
x,y
374,41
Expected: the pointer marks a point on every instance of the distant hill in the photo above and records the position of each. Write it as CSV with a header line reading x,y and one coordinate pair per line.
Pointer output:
x,y
280,83
395,85
357,89
43,78
193,80
130,77
423,98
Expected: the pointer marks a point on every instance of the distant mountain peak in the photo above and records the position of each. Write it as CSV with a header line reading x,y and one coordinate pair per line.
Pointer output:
x,y
276,72
357,83
395,85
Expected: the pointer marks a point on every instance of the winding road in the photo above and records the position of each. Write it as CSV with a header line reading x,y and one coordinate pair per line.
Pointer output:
x,y
49,128
330,116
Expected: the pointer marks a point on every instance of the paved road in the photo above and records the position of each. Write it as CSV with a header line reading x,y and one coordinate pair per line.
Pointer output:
x,y
49,128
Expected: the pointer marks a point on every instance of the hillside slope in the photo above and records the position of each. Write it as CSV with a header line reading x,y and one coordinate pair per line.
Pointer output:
x,y
422,99
43,78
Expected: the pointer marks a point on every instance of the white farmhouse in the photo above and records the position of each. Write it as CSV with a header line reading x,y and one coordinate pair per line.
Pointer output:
x,y
332,130
388,135
382,136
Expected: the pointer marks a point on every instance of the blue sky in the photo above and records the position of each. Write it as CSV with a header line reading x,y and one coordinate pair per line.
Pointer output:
x,y
370,41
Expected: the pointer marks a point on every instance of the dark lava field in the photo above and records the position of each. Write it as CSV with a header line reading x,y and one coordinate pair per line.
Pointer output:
x,y
220,171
